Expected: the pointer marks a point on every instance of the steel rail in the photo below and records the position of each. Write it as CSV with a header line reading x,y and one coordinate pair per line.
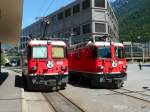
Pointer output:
x,y
50,104
62,95
138,92
127,93
69,102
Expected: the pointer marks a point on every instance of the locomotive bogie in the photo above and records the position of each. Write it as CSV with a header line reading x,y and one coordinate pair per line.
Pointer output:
x,y
114,80
49,81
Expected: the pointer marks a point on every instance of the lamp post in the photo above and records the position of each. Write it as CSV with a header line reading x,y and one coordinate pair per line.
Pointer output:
x,y
142,47
143,53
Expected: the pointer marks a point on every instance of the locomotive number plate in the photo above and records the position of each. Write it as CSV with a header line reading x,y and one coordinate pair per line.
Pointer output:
x,y
60,63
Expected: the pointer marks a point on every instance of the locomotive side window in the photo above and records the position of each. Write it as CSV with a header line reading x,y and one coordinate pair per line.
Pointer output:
x,y
58,52
119,52
39,52
104,52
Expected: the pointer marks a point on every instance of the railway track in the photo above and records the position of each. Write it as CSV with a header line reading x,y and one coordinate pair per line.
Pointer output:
x,y
133,94
61,103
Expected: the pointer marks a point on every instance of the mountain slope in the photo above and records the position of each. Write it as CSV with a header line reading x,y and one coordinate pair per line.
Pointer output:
x,y
134,19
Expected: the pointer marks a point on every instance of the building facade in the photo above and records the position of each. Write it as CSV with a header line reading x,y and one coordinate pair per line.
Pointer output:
x,y
80,20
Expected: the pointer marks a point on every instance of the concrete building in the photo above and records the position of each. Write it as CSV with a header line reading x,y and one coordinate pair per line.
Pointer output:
x,y
83,18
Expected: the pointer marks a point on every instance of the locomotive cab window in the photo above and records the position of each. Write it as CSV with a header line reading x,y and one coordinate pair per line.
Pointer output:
x,y
39,52
104,52
58,52
119,52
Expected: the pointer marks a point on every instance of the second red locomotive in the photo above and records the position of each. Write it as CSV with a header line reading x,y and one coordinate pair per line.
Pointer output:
x,y
101,62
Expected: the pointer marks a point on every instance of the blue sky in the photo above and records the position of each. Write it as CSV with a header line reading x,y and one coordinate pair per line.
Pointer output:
x,y
39,8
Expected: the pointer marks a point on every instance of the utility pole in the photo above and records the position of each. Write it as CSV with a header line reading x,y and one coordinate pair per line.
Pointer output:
x,y
132,51
143,50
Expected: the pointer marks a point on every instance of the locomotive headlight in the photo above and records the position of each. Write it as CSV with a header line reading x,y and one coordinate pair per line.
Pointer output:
x,y
124,67
34,68
63,68
101,67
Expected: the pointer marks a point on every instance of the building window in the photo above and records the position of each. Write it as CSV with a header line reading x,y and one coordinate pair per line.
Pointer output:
x,y
86,4
76,31
60,16
109,29
68,12
100,3
62,35
100,27
67,34
76,8
86,28
26,39
54,18
100,38
58,35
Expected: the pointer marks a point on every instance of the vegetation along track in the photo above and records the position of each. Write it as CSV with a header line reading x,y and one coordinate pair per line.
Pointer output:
x,y
61,103
133,94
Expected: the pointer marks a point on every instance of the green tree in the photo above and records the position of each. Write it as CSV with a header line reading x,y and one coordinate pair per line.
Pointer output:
x,y
2,59
134,19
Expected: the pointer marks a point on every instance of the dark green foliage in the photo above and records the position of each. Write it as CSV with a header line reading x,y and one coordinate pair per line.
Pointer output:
x,y
2,59
134,19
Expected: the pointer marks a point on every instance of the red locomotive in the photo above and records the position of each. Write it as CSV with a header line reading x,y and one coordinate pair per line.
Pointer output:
x,y
103,63
45,64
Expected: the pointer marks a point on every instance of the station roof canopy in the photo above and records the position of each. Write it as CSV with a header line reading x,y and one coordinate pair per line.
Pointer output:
x,y
10,21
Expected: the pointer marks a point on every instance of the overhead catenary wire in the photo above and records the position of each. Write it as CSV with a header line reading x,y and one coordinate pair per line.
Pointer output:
x,y
50,4
41,7
43,15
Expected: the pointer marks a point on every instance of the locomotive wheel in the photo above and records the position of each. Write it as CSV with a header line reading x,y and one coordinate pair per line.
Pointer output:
x,y
93,83
63,86
122,84
117,84
24,81
29,86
